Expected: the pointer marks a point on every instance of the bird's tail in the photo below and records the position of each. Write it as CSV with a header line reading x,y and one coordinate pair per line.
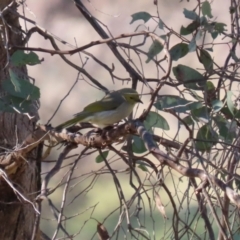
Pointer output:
x,y
70,122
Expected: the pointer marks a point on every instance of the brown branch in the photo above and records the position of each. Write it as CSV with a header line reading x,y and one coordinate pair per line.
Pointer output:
x,y
185,171
96,140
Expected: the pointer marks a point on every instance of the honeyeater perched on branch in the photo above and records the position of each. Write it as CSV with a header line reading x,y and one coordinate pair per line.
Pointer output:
x,y
109,110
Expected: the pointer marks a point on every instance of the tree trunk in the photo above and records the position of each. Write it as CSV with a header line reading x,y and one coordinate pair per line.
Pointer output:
x,y
17,216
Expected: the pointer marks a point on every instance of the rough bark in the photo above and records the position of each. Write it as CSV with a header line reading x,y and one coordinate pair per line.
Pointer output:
x,y
16,216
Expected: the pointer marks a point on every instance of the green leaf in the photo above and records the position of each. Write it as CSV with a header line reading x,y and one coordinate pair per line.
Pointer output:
x,y
190,28
201,114
203,21
138,145
237,182
217,105
19,58
15,81
160,24
176,103
192,45
206,60
21,88
206,9
195,95
234,56
156,120
178,51
188,120
184,73
190,14
99,158
142,167
145,16
207,137
220,27
15,104
198,35
227,130
230,102
214,34
154,49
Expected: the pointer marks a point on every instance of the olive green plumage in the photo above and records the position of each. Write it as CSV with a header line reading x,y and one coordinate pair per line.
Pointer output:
x,y
109,110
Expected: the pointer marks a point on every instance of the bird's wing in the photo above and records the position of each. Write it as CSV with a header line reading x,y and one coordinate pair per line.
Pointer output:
x,y
110,102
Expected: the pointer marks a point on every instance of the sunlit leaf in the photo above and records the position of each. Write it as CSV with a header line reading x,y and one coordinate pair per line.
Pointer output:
x,y
145,16
177,104
217,105
159,204
201,114
230,102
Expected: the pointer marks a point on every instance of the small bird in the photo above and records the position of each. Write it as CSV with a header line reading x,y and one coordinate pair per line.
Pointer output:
x,y
109,110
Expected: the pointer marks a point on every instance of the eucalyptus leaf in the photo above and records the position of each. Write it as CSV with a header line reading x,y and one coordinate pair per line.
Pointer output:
x,y
201,114
145,16
192,45
142,167
138,145
230,102
206,60
214,34
156,120
20,58
99,158
190,28
184,73
206,9
160,24
190,14
21,88
154,49
217,105
187,120
178,51
220,27
206,138
177,104
227,130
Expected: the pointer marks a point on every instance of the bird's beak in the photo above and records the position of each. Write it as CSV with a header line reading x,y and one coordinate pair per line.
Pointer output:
x,y
140,101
